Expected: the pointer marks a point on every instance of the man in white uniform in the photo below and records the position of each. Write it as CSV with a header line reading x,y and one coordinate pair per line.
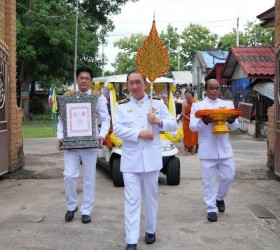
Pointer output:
x,y
215,152
88,156
141,159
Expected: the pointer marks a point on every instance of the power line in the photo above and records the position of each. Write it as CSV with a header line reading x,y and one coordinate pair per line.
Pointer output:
x,y
38,14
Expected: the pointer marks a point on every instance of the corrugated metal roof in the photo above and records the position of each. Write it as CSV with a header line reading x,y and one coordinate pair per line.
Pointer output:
x,y
212,57
266,89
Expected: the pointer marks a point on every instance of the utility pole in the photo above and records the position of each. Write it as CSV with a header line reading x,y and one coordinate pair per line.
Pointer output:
x,y
237,33
178,53
76,45
103,55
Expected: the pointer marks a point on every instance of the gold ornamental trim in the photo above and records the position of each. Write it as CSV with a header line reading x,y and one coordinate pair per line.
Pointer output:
x,y
152,59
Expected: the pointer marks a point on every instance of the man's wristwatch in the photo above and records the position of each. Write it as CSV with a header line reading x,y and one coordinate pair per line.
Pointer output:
x,y
160,124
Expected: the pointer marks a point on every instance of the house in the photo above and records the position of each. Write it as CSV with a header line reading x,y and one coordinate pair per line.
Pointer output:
x,y
203,62
271,18
250,73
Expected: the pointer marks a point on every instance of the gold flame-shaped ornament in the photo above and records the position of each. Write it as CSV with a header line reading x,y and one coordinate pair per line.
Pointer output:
x,y
152,60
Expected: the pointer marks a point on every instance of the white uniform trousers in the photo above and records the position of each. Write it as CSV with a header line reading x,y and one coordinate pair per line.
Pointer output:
x,y
72,160
135,185
212,190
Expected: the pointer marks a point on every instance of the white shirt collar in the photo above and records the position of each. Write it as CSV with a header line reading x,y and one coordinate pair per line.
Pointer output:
x,y
210,100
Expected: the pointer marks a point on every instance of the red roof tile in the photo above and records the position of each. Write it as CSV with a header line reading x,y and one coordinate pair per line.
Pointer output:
x,y
256,61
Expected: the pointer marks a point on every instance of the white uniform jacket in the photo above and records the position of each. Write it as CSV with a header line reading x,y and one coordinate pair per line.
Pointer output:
x,y
104,116
211,146
141,155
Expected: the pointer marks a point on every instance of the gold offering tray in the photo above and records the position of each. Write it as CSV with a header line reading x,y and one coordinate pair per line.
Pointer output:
x,y
220,116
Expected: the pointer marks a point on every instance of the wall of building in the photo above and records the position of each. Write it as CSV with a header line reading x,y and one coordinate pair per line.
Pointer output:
x,y
8,35
270,138
277,23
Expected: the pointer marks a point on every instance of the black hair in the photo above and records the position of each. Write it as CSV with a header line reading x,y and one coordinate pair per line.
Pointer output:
x,y
178,90
84,69
135,71
191,92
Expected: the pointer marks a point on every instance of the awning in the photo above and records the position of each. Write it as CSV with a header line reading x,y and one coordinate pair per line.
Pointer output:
x,y
265,89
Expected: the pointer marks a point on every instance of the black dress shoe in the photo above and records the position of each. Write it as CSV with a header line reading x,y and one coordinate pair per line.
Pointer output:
x,y
131,247
86,219
221,206
150,238
212,217
70,215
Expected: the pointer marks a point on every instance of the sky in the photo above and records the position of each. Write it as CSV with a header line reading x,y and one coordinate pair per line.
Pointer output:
x,y
220,16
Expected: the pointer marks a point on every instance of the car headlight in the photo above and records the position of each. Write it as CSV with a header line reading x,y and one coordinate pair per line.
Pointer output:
x,y
168,147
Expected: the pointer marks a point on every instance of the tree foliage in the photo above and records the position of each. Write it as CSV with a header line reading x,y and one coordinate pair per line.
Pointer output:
x,y
46,39
125,59
229,40
171,40
253,35
257,35
194,38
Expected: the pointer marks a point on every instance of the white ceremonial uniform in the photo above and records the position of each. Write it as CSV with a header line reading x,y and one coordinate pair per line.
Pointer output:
x,y
215,153
141,161
88,156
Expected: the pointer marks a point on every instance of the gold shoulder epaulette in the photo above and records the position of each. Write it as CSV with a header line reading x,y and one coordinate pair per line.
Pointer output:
x,y
124,101
156,97
70,92
95,92
198,100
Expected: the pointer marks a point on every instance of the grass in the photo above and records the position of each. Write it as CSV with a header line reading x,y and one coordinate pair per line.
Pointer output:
x,y
40,126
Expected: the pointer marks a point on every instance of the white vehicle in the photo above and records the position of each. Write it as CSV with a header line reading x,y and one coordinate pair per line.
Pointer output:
x,y
109,157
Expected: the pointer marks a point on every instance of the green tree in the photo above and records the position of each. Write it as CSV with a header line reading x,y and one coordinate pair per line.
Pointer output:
x,y
229,40
196,37
129,46
125,59
45,39
171,40
257,35
253,35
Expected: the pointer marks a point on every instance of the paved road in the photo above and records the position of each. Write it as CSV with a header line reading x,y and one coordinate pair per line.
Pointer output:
x,y
33,206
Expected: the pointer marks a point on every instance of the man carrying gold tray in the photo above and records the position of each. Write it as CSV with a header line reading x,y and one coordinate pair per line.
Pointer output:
x,y
215,151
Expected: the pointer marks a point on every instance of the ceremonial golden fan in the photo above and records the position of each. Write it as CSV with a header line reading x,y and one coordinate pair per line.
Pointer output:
x,y
152,60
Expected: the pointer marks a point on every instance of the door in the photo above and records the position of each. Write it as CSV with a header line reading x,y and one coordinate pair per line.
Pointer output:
x,y
3,109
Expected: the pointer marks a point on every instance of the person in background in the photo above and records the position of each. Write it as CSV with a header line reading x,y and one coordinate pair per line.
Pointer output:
x,y
88,156
178,105
164,97
190,138
141,159
215,151
177,96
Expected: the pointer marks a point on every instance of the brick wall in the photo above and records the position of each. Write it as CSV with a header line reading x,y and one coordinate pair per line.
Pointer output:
x,y
271,110
270,138
8,35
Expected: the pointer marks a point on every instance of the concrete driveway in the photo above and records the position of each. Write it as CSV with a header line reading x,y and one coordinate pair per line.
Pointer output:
x,y
33,206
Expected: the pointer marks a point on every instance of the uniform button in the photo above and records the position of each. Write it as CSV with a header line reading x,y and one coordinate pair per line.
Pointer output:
x,y
142,148
140,116
142,126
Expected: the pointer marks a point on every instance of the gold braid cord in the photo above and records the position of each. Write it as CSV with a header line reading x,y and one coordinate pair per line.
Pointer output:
x,y
152,60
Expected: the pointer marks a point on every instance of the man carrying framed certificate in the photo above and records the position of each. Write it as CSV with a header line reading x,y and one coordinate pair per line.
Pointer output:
x,y
79,136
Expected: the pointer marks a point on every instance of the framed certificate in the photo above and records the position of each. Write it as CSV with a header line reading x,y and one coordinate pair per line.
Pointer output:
x,y
78,113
